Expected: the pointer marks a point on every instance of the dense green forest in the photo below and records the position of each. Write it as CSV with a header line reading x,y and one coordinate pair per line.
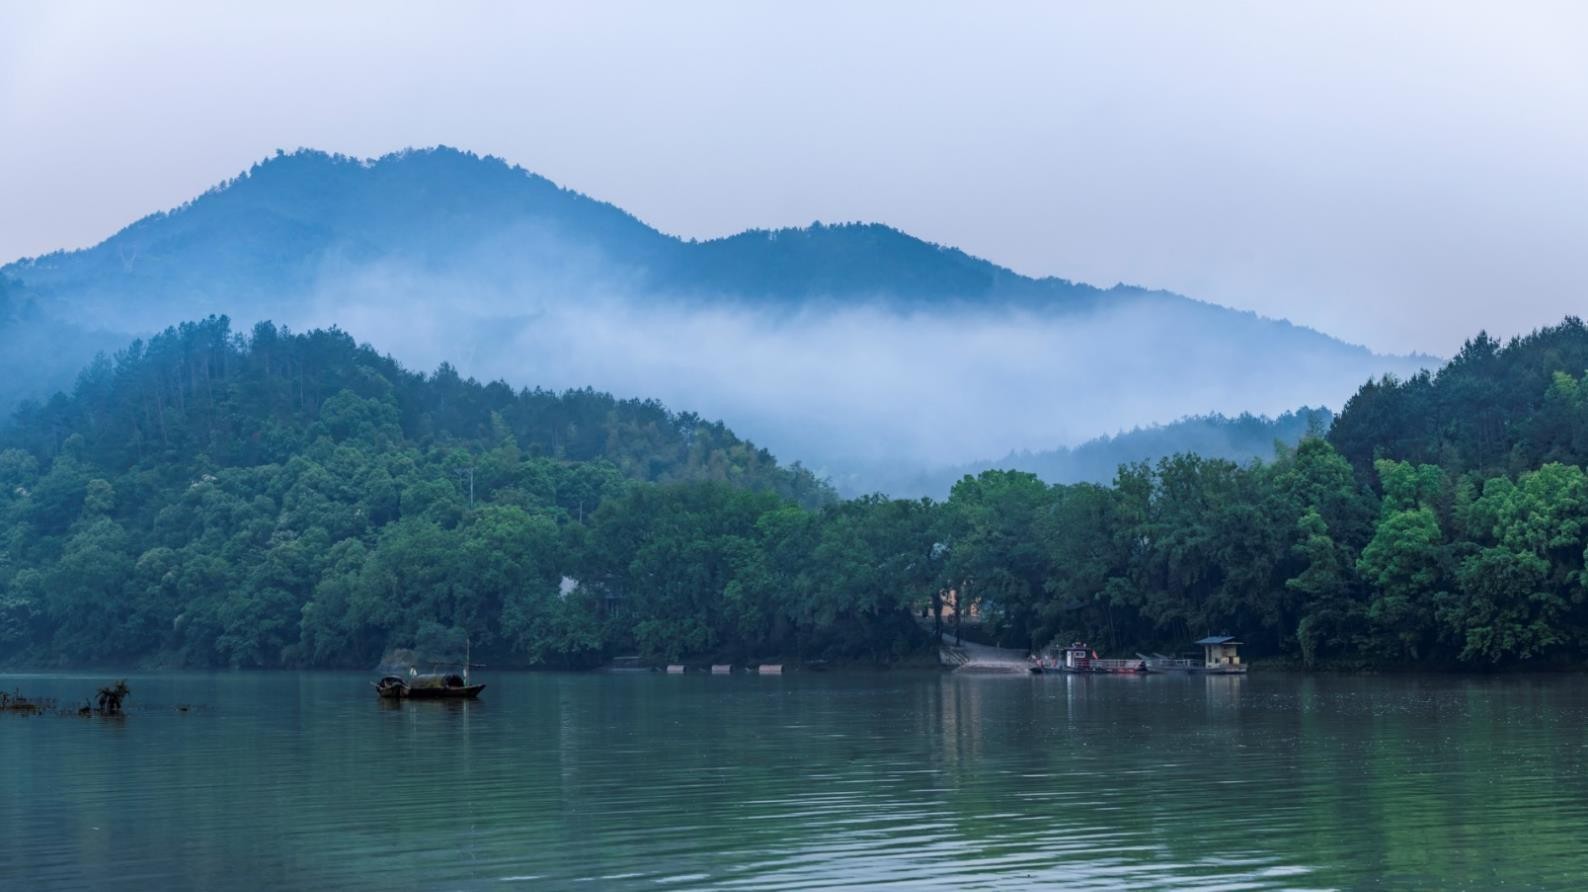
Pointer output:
x,y
280,498
286,499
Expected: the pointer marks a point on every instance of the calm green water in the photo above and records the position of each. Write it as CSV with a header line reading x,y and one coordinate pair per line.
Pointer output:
x,y
305,781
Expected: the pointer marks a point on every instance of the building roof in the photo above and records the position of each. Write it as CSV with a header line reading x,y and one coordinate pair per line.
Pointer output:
x,y
1217,639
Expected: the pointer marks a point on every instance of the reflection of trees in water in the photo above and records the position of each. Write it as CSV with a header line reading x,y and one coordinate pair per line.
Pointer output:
x,y
816,779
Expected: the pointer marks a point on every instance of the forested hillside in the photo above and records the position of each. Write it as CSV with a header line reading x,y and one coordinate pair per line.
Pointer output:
x,y
292,499
194,498
1495,407
1239,439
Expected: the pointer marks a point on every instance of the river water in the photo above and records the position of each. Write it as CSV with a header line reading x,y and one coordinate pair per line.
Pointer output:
x,y
306,781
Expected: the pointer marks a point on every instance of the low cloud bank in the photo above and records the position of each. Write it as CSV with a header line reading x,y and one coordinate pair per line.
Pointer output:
x,y
855,390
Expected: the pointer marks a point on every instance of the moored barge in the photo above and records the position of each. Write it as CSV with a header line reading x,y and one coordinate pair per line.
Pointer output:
x,y
1220,656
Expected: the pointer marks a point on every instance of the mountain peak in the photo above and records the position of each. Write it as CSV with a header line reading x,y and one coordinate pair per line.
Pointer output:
x,y
832,342
277,227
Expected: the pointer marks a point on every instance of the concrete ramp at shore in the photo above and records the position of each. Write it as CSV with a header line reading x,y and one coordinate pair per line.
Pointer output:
x,y
970,657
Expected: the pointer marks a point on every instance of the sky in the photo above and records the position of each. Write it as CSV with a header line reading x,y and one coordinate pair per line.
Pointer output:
x,y
1400,175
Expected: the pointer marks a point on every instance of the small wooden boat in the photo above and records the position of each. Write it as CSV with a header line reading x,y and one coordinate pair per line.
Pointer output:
x,y
16,702
442,687
431,686
427,687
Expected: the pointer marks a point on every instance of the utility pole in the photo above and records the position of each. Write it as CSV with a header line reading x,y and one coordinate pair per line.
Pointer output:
x,y
470,472
935,555
959,610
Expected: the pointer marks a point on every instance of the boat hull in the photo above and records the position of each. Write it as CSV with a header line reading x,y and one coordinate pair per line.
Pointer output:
x,y
394,688
467,692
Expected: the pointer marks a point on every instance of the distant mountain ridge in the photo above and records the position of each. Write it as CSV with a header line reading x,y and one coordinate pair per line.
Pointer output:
x,y
285,217
826,343
288,218
1240,439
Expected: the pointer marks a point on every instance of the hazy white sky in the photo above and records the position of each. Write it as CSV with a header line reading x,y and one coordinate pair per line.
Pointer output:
x,y
1397,174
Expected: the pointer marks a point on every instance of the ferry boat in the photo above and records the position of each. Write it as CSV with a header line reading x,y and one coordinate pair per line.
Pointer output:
x,y
1080,658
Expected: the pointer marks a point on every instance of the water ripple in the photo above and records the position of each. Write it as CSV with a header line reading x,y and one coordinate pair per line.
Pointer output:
x,y
818,782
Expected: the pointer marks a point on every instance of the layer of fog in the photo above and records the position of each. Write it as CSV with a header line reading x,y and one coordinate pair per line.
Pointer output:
x,y
853,390
861,391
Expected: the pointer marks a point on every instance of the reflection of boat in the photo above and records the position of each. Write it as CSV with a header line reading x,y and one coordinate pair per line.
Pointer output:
x,y
427,687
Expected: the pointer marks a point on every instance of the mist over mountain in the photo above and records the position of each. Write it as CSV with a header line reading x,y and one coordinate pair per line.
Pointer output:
x,y
1239,439
40,353
849,347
